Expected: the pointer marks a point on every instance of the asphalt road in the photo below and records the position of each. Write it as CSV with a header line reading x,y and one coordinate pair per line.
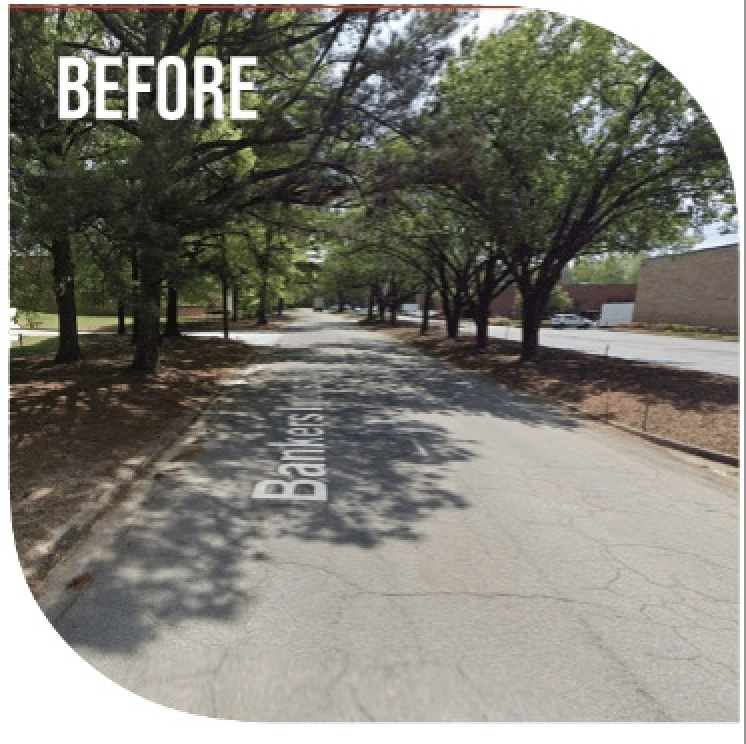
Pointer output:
x,y
467,555
703,355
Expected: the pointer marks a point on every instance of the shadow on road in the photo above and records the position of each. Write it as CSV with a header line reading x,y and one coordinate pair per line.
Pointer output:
x,y
198,546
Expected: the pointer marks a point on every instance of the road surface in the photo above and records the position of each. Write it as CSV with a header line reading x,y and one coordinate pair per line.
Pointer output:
x,y
703,355
457,553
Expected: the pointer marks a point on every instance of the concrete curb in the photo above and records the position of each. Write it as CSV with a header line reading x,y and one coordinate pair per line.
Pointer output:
x,y
112,492
108,494
690,449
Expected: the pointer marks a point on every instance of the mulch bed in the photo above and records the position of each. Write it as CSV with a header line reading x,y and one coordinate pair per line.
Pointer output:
x,y
72,425
688,406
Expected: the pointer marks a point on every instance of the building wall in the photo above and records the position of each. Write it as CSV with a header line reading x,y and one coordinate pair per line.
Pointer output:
x,y
699,288
504,304
587,298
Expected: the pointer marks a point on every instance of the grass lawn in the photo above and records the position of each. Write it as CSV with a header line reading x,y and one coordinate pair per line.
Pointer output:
x,y
107,324
33,345
682,331
49,322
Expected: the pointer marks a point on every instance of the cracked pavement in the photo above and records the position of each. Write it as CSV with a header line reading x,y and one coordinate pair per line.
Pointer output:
x,y
481,557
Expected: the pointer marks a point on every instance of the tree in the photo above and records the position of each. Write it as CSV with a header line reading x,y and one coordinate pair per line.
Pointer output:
x,y
616,268
318,98
29,279
331,80
576,142
559,302
609,269
353,269
52,190
453,251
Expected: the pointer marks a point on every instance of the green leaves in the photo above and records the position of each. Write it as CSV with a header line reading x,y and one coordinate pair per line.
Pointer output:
x,y
582,135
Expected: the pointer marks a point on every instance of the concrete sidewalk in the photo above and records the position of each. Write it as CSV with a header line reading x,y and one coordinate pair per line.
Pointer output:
x,y
475,556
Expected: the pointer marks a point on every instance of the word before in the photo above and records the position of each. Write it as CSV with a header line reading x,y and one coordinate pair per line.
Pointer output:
x,y
165,92
303,452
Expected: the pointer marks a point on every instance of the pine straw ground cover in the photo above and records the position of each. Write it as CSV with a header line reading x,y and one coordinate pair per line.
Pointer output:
x,y
684,405
74,425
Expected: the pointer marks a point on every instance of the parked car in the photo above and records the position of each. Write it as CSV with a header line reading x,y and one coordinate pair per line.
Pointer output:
x,y
569,320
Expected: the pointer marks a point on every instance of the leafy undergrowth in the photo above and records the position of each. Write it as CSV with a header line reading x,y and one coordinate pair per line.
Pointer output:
x,y
687,406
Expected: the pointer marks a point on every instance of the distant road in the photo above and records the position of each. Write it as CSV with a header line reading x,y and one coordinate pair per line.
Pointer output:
x,y
715,357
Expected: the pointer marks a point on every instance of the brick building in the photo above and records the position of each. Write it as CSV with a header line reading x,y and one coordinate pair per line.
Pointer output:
x,y
587,298
697,288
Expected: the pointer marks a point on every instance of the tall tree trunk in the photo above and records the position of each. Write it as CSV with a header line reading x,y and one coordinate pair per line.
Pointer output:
x,y
394,306
340,302
171,329
147,356
261,317
452,302
533,301
63,269
135,296
452,306
234,298
225,307
481,308
263,262
445,299
280,306
452,323
371,303
426,306
481,320
487,282
121,319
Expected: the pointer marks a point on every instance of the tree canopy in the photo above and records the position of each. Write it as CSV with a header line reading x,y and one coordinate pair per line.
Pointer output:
x,y
549,146
576,142
555,139
329,81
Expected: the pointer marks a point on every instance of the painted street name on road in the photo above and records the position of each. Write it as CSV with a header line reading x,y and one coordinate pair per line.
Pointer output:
x,y
303,453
